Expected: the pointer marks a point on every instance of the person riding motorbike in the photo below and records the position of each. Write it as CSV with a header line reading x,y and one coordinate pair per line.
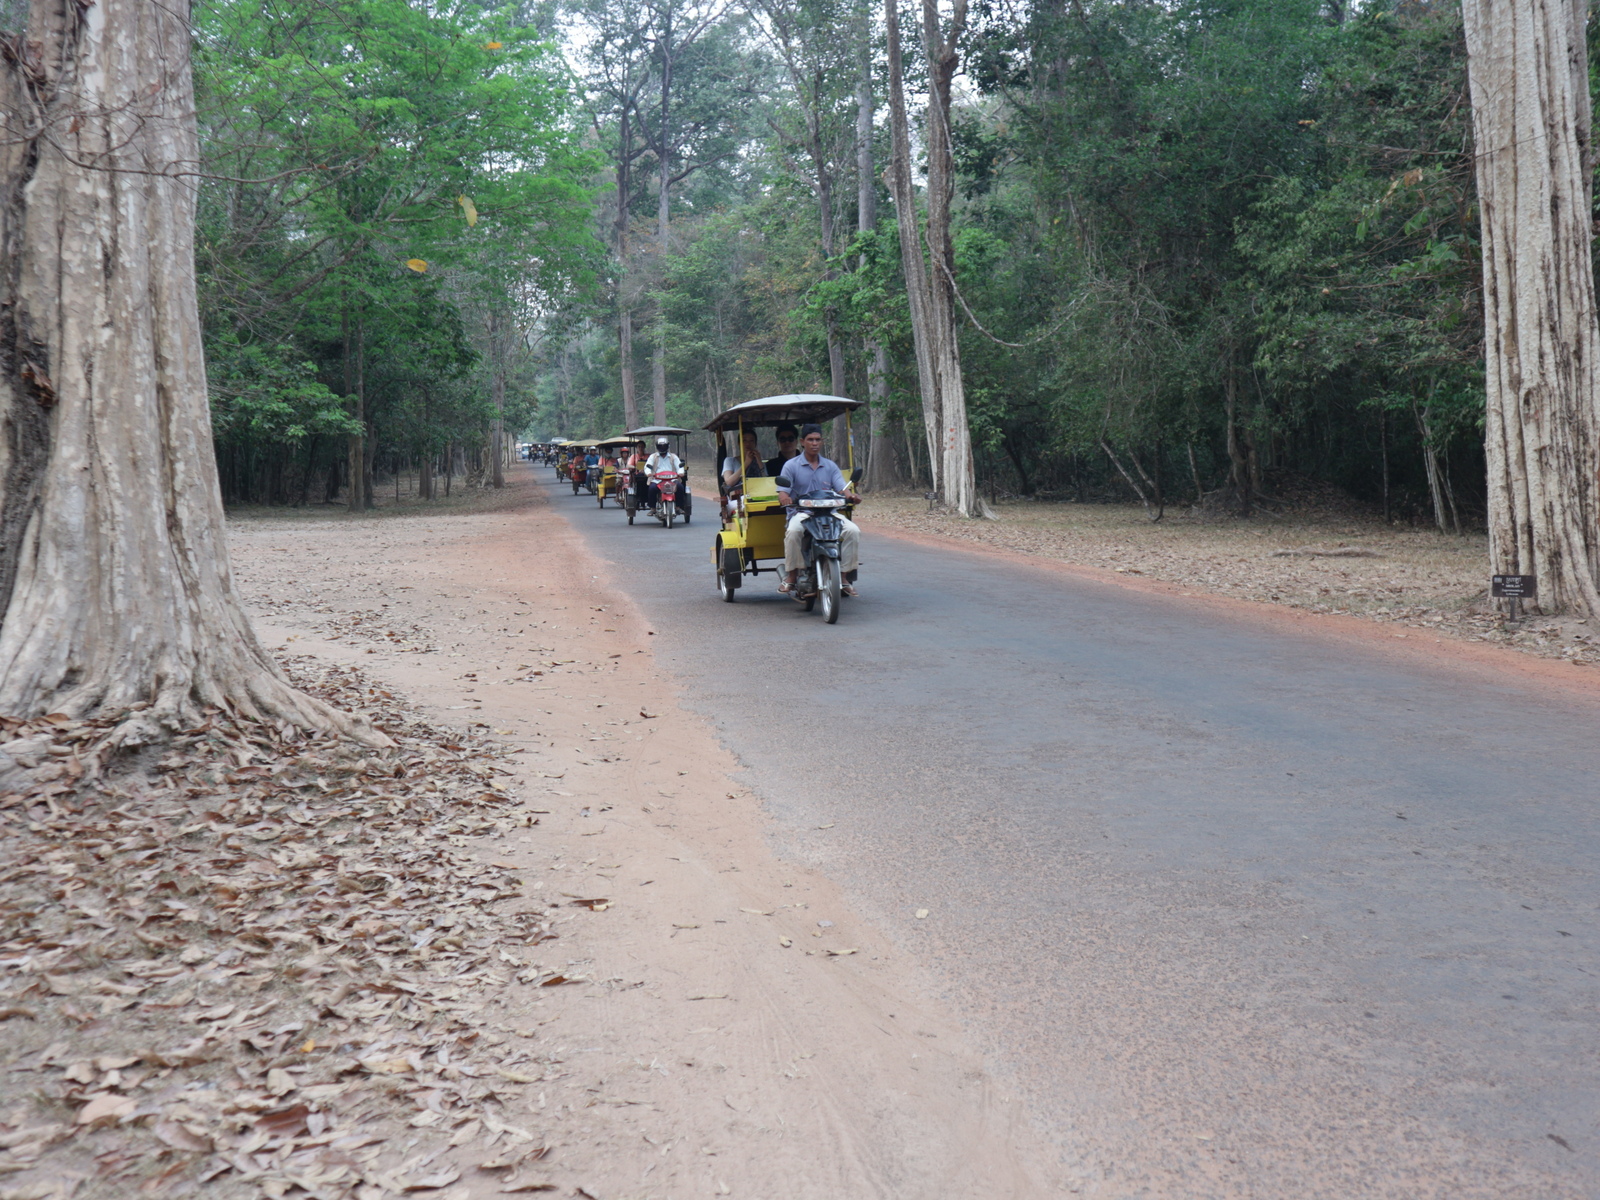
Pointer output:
x,y
810,472
665,460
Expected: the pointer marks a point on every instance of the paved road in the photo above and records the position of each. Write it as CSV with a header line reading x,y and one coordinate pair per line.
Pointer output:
x,y
1242,912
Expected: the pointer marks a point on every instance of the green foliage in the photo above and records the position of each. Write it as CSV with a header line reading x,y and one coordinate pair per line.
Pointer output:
x,y
396,190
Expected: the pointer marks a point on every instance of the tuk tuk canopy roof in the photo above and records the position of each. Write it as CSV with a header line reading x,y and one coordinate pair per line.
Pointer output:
x,y
650,431
624,440
769,410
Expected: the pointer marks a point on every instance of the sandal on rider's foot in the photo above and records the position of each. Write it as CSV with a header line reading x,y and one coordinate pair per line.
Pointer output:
x,y
849,589
785,588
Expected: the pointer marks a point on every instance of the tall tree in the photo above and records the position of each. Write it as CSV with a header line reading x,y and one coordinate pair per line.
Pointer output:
x,y
1529,70
880,467
930,283
620,75
114,575
700,107
818,64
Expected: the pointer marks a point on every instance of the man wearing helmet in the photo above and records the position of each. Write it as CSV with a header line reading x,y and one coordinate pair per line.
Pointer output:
x,y
665,460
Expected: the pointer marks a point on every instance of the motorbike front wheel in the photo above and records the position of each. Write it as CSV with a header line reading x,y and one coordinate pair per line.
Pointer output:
x,y
575,486
671,515
828,588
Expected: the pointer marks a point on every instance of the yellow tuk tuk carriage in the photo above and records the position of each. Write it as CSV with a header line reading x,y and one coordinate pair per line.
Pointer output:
x,y
614,479
753,522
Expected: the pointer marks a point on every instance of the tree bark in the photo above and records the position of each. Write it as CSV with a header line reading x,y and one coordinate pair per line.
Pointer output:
x,y
882,469
117,597
630,396
1528,71
930,283
356,501
497,397
880,464
658,356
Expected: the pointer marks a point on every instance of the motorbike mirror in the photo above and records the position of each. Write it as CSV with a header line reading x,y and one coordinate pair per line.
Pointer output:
x,y
784,482
855,476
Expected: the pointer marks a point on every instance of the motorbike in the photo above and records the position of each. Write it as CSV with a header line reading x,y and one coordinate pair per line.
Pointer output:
x,y
628,489
666,485
820,577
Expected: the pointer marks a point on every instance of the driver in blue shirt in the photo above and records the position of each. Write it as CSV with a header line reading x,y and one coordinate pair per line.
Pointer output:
x,y
809,472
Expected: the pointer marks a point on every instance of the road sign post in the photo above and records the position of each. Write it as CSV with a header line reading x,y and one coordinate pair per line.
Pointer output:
x,y
1515,589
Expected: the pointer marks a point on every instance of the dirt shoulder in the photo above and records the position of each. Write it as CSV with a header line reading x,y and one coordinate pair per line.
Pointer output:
x,y
1319,561
732,1027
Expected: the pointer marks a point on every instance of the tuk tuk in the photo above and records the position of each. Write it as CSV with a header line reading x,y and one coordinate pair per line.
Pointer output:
x,y
753,521
682,502
615,476
583,478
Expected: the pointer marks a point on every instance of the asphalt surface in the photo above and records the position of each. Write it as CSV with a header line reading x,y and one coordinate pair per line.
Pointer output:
x,y
1239,911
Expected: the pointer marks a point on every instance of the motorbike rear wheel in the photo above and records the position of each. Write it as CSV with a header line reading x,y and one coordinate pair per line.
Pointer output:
x,y
828,588
575,486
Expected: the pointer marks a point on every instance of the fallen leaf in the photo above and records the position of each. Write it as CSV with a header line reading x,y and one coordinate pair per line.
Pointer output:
x,y
757,912
708,996
921,913
785,942
439,1179
840,953
180,1137
284,1122
514,1077
279,1082
106,1106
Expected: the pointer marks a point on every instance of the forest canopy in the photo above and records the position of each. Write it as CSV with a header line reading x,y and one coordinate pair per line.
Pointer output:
x,y
1207,251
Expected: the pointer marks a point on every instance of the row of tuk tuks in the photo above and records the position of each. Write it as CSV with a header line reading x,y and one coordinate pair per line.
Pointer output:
x,y
750,540
614,469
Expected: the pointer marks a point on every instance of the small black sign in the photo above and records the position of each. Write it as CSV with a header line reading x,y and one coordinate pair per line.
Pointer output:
x,y
1513,587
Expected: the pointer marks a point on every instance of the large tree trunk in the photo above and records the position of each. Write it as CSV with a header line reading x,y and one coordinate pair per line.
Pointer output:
x,y
497,398
630,396
114,574
658,357
930,284
1528,69
630,393
881,469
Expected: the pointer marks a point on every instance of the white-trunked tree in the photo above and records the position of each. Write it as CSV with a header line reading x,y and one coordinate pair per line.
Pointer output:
x,y
114,579
1529,74
930,280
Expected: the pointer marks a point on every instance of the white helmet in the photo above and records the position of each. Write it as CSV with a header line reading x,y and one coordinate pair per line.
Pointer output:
x,y
662,444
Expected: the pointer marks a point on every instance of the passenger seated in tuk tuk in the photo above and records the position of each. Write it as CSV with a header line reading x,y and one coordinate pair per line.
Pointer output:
x,y
787,449
736,470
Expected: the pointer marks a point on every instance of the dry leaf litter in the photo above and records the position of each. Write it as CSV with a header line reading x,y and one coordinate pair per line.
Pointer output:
x,y
262,962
